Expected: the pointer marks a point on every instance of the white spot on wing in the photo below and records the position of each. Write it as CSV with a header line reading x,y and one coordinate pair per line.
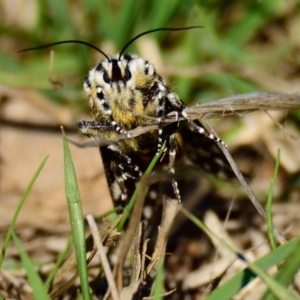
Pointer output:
x,y
148,212
116,191
153,195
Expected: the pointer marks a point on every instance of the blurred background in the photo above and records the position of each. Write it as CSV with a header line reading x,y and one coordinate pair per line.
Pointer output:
x,y
243,47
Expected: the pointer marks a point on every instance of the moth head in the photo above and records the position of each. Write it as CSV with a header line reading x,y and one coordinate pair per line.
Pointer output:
x,y
119,72
117,86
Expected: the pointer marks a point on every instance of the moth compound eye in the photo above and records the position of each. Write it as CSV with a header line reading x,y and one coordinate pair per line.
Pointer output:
x,y
127,74
106,77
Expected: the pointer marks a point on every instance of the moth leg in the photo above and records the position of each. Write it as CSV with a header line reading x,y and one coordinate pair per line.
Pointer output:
x,y
201,129
160,113
172,156
204,132
168,102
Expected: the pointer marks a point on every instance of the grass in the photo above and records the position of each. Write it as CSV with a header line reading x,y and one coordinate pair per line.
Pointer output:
x,y
18,210
76,219
243,47
235,284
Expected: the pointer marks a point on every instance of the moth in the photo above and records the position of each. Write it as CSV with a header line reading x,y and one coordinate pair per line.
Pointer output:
x,y
125,90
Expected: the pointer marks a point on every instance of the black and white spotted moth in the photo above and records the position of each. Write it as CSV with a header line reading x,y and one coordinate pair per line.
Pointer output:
x,y
123,91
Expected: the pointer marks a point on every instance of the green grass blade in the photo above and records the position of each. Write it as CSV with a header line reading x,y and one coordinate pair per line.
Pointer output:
x,y
126,22
39,290
63,20
277,288
286,274
18,210
59,262
159,281
76,219
104,23
269,204
161,13
240,280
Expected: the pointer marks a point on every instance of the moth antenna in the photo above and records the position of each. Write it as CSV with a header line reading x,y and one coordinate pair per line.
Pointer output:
x,y
154,30
67,42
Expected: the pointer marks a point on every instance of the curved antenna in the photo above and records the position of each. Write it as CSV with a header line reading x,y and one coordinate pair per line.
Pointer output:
x,y
68,42
154,30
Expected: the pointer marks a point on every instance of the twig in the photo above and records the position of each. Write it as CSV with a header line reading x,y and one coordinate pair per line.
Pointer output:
x,y
103,257
237,104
